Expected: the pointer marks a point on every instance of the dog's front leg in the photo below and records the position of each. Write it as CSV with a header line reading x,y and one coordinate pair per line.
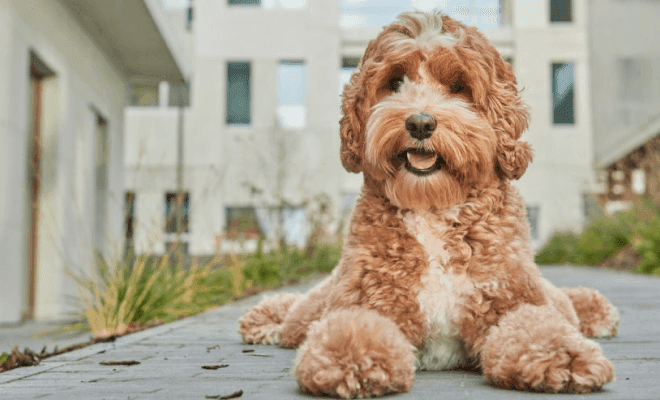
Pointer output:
x,y
293,330
536,348
355,352
284,318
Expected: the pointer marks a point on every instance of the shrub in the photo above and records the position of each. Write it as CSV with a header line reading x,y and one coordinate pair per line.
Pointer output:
x,y
639,226
559,250
598,241
647,238
602,238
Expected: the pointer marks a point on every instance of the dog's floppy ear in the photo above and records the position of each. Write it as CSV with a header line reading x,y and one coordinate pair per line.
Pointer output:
x,y
351,126
513,156
505,104
495,93
355,111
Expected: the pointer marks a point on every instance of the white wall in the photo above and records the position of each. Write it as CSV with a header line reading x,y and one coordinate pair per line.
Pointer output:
x,y
85,83
563,154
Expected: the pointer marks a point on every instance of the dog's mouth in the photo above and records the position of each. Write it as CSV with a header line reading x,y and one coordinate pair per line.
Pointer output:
x,y
421,162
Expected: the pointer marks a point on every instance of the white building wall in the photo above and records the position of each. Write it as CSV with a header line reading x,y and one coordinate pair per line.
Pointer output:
x,y
85,84
561,171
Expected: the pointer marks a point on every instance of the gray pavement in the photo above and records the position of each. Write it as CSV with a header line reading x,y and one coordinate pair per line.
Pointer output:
x,y
37,335
171,357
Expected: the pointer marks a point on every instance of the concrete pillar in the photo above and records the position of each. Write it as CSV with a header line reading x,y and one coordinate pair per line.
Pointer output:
x,y
12,177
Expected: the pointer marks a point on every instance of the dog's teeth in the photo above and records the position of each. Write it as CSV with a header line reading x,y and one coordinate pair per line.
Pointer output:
x,y
421,161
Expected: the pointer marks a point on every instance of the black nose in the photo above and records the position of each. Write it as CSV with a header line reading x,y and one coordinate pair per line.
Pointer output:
x,y
420,126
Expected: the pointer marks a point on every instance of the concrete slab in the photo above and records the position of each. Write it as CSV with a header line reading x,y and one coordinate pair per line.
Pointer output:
x,y
36,335
171,357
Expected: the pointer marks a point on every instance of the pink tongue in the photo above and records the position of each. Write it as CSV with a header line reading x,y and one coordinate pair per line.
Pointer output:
x,y
421,161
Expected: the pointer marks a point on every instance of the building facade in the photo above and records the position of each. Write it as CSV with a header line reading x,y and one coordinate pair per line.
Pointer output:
x,y
64,70
625,52
261,132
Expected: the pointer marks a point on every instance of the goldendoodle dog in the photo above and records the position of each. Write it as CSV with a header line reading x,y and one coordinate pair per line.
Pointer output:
x,y
437,270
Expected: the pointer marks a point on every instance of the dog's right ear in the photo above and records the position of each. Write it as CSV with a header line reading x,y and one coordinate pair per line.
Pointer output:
x,y
355,111
351,126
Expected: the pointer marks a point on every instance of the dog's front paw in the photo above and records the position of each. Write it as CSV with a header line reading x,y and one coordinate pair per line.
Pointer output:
x,y
535,348
355,353
261,324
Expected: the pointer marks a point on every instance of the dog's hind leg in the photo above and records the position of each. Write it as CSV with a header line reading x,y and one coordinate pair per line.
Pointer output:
x,y
598,317
355,352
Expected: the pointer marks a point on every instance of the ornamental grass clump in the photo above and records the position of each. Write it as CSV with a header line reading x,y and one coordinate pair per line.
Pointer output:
x,y
141,290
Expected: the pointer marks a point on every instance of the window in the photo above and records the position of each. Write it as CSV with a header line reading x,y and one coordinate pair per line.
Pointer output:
x,y
176,247
173,211
143,95
485,14
179,95
238,93
533,214
242,223
562,94
560,11
189,18
348,66
291,94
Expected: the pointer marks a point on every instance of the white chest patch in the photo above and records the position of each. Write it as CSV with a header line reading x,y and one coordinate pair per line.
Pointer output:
x,y
441,295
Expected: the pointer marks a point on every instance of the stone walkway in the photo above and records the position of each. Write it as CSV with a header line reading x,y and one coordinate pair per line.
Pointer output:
x,y
171,357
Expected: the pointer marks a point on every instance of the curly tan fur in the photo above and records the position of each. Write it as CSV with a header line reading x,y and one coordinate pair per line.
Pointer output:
x,y
598,317
355,352
437,270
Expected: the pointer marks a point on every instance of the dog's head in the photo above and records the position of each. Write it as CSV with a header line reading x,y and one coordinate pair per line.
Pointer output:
x,y
433,112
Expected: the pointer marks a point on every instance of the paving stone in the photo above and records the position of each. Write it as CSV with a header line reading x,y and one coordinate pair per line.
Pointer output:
x,y
171,357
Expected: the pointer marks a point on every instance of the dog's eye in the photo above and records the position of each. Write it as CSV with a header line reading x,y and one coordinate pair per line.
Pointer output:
x,y
395,83
457,87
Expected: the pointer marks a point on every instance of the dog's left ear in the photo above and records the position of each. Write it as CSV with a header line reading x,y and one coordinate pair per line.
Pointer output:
x,y
495,93
513,156
510,119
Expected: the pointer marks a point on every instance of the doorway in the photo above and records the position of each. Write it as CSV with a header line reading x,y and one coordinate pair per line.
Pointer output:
x,y
39,73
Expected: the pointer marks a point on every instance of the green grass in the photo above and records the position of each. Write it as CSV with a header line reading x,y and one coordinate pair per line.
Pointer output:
x,y
142,290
